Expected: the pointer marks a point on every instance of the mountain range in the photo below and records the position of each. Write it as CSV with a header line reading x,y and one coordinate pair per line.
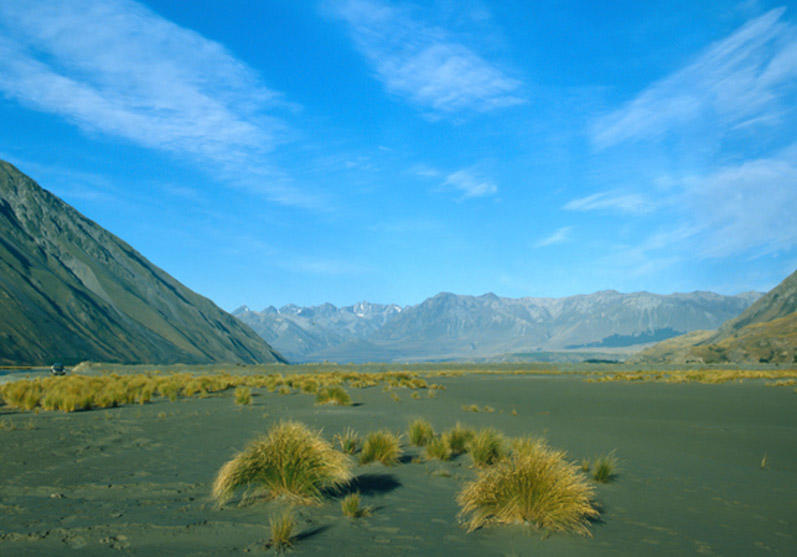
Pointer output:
x,y
450,326
72,291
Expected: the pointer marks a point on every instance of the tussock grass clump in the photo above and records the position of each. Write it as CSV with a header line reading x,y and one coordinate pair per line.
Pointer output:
x,y
334,394
437,449
420,432
604,468
471,408
348,441
290,461
536,486
282,528
486,448
243,396
457,438
381,446
350,506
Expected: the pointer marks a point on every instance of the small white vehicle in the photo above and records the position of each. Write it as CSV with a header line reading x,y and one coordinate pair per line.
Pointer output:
x,y
57,369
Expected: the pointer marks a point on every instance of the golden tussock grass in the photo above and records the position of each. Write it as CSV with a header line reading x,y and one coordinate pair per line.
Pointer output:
x,y
334,394
457,438
420,432
437,449
487,447
243,396
283,528
604,468
351,506
381,446
349,441
290,461
705,376
535,485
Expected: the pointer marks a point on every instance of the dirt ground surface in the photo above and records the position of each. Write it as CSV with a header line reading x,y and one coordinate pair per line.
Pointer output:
x,y
136,479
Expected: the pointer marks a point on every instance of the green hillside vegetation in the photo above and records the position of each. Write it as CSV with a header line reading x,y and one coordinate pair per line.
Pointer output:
x,y
71,291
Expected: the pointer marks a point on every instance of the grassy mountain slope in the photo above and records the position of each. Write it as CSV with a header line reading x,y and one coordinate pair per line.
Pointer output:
x,y
765,332
72,291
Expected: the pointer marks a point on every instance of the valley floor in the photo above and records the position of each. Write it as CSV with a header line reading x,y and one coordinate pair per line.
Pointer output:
x,y
137,478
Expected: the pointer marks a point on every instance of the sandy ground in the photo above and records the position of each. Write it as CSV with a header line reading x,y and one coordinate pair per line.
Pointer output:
x,y
136,479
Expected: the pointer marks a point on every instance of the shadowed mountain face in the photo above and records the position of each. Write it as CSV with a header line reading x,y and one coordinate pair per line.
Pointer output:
x,y
766,332
72,291
452,326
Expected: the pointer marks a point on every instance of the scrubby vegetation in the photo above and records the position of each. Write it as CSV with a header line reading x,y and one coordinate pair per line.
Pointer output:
x,y
290,461
348,441
350,506
776,377
283,527
243,396
437,449
334,394
534,485
420,432
486,448
457,439
381,446
604,468
85,392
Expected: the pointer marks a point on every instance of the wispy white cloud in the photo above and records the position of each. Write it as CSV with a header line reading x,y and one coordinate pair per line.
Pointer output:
x,y
632,203
115,67
560,236
469,184
745,208
425,63
323,266
738,211
739,81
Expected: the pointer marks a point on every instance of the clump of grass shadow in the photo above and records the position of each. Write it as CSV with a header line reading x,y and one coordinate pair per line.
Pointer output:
x,y
290,461
381,446
349,441
350,506
243,396
534,485
604,468
420,432
487,447
282,527
334,395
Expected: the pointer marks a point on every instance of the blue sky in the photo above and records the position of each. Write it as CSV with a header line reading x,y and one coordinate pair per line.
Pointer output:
x,y
300,152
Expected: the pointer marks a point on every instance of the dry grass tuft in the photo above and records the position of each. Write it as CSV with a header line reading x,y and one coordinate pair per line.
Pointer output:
x,y
282,528
334,394
350,506
348,441
457,438
290,461
420,432
604,468
437,449
243,396
535,485
381,446
486,448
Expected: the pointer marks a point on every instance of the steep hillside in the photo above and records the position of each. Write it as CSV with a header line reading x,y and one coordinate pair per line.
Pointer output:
x,y
766,332
72,291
